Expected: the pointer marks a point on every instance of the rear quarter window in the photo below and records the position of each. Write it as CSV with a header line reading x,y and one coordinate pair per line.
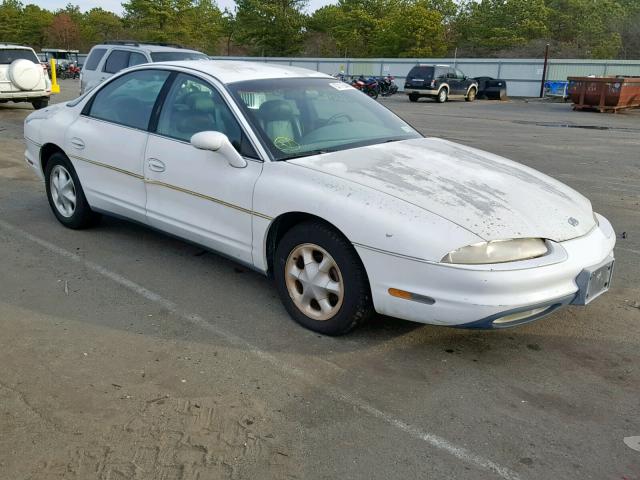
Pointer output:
x,y
94,58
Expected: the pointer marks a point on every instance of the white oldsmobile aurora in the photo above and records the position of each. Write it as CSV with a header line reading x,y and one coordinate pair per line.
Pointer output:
x,y
305,179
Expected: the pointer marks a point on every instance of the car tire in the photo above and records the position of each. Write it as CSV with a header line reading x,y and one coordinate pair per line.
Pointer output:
x,y
310,254
471,96
40,103
413,98
65,194
443,95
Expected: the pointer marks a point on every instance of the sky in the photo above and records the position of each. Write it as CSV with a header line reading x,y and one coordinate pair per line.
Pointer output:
x,y
115,5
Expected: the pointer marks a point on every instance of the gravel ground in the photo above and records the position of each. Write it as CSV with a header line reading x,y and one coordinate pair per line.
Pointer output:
x,y
127,354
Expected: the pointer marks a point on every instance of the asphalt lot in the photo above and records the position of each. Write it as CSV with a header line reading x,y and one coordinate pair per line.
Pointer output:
x,y
127,354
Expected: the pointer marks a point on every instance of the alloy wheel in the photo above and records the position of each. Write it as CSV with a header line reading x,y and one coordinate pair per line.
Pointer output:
x,y
63,191
314,281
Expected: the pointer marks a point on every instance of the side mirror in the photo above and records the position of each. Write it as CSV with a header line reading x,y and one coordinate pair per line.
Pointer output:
x,y
218,142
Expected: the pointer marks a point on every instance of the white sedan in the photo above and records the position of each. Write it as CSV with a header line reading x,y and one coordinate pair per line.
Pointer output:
x,y
347,207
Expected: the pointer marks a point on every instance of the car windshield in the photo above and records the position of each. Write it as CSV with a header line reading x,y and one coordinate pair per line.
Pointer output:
x,y
177,56
297,117
11,54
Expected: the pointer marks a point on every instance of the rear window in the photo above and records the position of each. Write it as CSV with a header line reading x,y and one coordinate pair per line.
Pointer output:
x,y
11,54
177,56
94,58
423,73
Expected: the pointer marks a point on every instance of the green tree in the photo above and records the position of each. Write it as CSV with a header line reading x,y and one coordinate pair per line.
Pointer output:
x,y
491,25
271,27
592,27
10,13
414,30
100,25
34,23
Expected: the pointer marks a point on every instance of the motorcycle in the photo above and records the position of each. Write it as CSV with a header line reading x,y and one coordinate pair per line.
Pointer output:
x,y
387,86
368,86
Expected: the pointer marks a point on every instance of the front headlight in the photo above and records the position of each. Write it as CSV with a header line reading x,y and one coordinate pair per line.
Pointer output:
x,y
498,251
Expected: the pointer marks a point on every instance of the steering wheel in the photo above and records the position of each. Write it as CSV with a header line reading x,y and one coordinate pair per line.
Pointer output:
x,y
333,118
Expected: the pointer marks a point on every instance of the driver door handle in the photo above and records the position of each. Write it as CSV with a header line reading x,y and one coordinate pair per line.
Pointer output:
x,y
155,165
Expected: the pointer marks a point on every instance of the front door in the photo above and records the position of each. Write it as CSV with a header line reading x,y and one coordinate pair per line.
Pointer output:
x,y
107,143
194,193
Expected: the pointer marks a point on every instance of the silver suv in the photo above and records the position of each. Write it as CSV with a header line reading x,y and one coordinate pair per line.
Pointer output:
x,y
22,77
110,57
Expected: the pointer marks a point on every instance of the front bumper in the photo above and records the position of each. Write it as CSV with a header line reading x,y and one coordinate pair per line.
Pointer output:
x,y
475,296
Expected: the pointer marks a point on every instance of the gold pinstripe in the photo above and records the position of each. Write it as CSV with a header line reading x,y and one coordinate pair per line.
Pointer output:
x,y
175,187
110,167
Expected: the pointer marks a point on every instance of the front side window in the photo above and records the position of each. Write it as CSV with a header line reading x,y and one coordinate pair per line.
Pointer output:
x,y
296,117
129,99
459,74
116,61
94,58
194,106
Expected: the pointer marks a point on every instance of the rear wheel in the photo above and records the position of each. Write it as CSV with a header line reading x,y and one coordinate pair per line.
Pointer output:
x,y
413,98
442,95
40,103
320,279
471,96
65,194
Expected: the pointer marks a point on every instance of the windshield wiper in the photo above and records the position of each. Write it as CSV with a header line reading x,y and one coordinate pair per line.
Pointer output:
x,y
310,153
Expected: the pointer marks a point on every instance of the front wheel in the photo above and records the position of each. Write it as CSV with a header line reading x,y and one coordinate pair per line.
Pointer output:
x,y
321,280
471,96
413,98
65,194
442,95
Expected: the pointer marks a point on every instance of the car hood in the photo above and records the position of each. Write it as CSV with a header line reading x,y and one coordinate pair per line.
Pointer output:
x,y
491,196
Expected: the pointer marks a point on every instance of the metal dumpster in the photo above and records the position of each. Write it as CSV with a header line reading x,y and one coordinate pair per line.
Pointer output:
x,y
604,93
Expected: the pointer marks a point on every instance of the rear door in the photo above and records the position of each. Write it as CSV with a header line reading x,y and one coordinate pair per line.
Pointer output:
x,y
106,143
455,83
463,83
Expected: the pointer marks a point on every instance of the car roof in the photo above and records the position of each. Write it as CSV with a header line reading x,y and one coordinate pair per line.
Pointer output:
x,y
230,71
12,45
148,47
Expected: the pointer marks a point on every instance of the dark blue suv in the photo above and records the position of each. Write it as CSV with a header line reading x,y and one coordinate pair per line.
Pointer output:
x,y
439,82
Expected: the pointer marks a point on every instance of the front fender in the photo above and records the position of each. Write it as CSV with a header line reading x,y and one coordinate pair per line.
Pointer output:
x,y
364,215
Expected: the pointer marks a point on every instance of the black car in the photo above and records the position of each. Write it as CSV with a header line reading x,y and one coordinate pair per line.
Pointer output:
x,y
440,82
492,88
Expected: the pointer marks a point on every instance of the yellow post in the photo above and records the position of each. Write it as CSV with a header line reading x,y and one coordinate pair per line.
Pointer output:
x,y
55,88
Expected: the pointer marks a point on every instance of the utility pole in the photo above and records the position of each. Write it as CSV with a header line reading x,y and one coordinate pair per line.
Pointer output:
x,y
544,70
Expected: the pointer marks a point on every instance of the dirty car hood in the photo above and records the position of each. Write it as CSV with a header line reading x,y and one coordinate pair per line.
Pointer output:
x,y
491,196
